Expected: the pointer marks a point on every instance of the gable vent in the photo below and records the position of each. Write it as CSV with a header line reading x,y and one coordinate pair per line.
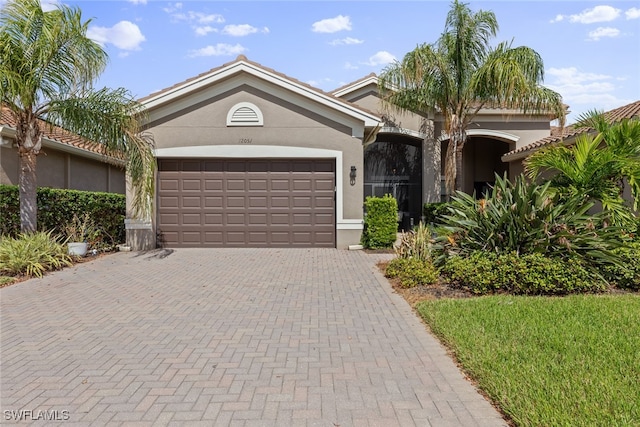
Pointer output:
x,y
244,114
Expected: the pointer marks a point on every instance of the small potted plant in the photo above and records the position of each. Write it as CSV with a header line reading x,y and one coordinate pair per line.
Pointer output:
x,y
78,233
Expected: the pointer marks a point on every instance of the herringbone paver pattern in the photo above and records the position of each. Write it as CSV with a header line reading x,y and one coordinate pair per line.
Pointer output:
x,y
226,337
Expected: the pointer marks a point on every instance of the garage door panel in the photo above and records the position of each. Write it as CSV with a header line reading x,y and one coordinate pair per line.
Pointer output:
x,y
191,201
258,184
169,184
324,202
255,202
235,202
213,201
191,184
213,184
213,219
236,185
168,202
324,185
280,201
191,218
278,184
302,202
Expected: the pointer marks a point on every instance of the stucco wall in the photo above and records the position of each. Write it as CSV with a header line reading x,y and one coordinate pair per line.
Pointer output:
x,y
289,121
58,169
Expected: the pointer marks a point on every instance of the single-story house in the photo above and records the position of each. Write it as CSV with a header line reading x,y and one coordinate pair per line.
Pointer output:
x,y
65,161
248,156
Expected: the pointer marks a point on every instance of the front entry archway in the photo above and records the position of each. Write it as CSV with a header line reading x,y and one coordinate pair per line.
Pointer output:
x,y
393,165
481,159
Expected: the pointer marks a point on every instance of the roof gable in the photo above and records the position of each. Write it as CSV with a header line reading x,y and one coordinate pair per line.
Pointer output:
x,y
243,65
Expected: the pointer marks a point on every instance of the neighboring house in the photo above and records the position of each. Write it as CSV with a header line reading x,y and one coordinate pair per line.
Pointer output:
x,y
65,161
248,156
566,136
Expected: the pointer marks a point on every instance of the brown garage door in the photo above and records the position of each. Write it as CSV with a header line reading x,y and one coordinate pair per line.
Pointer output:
x,y
246,202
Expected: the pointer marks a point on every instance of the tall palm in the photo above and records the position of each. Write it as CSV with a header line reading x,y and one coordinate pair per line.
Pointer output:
x,y
462,73
47,69
596,165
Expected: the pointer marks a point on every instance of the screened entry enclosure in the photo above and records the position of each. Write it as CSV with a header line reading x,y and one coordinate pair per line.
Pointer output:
x,y
392,166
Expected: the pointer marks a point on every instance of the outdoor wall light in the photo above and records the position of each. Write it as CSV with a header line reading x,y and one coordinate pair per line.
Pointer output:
x,y
352,175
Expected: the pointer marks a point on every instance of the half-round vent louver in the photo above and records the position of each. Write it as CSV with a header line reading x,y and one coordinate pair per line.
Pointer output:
x,y
244,114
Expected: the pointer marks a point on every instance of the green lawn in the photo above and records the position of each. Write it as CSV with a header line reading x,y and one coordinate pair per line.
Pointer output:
x,y
572,361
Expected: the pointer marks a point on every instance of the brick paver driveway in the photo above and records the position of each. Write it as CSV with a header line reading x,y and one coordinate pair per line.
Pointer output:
x,y
230,337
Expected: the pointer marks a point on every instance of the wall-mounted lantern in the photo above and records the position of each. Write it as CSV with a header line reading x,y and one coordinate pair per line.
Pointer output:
x,y
352,175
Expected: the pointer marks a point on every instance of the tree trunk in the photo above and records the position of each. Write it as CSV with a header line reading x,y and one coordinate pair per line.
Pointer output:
x,y
459,167
28,191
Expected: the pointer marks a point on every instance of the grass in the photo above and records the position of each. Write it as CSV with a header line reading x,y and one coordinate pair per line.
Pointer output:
x,y
571,361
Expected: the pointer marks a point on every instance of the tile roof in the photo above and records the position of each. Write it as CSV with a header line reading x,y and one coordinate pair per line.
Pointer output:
x,y
558,134
242,58
61,136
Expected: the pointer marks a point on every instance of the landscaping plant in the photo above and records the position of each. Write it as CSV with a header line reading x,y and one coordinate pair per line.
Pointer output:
x,y
412,272
32,254
380,222
532,274
525,218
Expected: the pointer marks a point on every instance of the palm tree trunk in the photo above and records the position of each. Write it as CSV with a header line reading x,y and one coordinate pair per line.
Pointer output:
x,y
459,167
27,186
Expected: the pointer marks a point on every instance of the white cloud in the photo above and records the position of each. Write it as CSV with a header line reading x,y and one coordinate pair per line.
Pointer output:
x,y
558,18
633,13
124,35
597,14
350,66
220,49
49,5
332,25
380,58
585,91
600,32
203,31
242,30
348,40
138,1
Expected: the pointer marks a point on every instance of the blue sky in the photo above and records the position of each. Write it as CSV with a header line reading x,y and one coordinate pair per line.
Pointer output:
x,y
591,49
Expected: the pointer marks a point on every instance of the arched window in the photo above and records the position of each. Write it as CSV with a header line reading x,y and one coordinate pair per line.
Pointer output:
x,y
244,114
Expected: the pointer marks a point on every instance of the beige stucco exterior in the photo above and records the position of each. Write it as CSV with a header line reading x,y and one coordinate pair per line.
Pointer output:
x,y
191,121
62,169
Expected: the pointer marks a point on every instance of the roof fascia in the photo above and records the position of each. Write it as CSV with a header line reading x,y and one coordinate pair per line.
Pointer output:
x,y
356,86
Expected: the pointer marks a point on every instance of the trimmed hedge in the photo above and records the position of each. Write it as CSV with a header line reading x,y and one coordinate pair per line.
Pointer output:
x,y
57,206
412,272
530,274
626,275
380,223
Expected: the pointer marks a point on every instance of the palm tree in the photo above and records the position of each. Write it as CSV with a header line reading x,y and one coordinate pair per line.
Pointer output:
x,y
47,69
596,165
461,73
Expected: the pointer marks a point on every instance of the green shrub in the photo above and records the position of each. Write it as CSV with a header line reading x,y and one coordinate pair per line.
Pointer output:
x,y
32,254
412,272
531,274
380,223
524,218
626,275
416,243
56,208
433,212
